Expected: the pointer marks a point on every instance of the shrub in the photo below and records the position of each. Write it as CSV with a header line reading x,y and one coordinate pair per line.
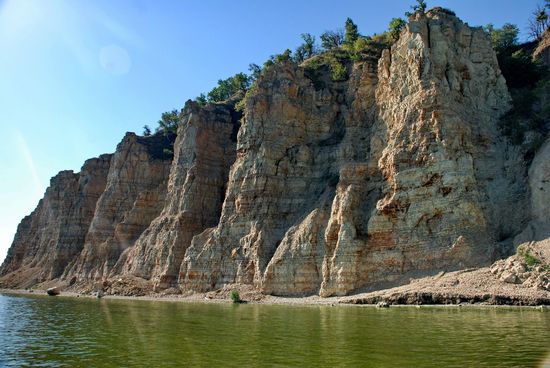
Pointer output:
x,y
339,72
396,25
168,152
201,100
228,87
168,122
146,130
518,68
235,297
529,259
419,7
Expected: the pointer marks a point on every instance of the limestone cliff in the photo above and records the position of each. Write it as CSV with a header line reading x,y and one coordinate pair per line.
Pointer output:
x,y
322,185
53,235
363,181
204,152
135,189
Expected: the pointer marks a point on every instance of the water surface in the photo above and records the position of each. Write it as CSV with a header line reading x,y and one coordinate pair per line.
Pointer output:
x,y
58,332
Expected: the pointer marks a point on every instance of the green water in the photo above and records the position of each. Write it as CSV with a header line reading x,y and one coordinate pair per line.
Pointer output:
x,y
57,332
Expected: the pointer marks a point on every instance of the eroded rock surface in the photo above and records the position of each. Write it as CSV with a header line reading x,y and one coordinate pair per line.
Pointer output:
x,y
133,197
362,181
53,235
331,186
204,152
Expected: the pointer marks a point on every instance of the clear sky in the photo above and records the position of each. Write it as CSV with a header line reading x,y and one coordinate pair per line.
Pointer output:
x,y
76,75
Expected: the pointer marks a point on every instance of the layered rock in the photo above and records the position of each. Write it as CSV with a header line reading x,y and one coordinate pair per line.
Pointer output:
x,y
53,234
332,185
133,197
363,181
203,153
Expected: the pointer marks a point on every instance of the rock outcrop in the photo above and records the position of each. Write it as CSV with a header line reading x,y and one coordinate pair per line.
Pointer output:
x,y
204,152
323,185
133,197
53,235
363,181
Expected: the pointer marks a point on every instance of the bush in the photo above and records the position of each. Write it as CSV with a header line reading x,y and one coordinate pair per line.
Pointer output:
x,y
235,297
168,123
339,71
396,25
228,87
168,152
146,130
518,68
529,259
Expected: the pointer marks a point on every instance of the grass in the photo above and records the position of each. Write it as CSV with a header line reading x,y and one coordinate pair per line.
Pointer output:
x,y
530,259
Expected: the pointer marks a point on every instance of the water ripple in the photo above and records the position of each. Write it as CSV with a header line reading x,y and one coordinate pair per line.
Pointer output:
x,y
64,332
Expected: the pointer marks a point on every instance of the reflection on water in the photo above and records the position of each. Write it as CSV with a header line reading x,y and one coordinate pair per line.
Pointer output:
x,y
54,332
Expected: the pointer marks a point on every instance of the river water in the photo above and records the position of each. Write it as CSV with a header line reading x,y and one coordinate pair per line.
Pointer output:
x,y
58,332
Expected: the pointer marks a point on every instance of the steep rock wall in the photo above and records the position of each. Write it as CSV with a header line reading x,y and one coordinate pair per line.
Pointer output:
x,y
363,181
329,187
133,197
53,234
203,153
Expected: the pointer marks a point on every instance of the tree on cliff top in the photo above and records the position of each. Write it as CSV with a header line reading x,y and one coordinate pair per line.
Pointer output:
x,y
503,38
227,88
420,6
332,39
396,25
352,33
307,49
146,130
539,21
168,122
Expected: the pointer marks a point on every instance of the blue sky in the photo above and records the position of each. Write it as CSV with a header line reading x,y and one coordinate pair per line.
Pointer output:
x,y
76,75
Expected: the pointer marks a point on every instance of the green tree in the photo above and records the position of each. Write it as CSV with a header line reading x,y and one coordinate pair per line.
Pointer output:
x,y
201,99
518,68
307,49
279,58
227,88
516,65
332,39
419,7
352,33
168,122
396,25
538,22
146,130
503,38
255,71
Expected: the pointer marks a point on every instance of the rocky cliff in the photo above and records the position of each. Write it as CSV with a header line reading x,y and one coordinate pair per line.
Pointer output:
x,y
53,234
135,189
322,186
204,152
364,181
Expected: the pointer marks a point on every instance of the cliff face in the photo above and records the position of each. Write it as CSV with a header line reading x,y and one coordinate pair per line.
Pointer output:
x,y
53,235
204,152
135,189
329,187
363,181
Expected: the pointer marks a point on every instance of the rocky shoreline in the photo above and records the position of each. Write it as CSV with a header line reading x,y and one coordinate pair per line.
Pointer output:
x,y
472,287
395,183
